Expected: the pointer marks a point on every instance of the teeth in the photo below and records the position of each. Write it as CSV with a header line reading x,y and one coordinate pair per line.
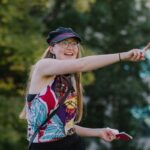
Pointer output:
x,y
68,53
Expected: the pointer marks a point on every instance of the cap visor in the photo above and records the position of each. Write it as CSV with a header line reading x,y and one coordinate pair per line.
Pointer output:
x,y
65,36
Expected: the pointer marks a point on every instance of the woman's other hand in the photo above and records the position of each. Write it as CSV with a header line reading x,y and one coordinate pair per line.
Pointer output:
x,y
108,134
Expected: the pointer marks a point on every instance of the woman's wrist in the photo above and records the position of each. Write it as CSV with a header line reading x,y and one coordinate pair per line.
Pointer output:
x,y
98,132
87,132
94,132
119,55
122,56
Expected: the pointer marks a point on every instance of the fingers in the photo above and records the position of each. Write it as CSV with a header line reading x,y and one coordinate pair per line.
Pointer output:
x,y
146,47
113,130
111,134
137,55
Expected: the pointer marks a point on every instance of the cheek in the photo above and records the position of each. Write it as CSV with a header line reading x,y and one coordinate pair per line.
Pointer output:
x,y
60,55
58,52
77,54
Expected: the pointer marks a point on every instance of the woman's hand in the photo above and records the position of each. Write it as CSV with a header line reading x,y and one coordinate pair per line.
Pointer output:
x,y
134,54
108,134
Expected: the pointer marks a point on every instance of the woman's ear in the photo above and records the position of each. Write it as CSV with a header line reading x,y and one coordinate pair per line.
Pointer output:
x,y
51,50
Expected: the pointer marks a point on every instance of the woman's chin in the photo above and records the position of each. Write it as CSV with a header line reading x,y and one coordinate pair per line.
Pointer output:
x,y
68,57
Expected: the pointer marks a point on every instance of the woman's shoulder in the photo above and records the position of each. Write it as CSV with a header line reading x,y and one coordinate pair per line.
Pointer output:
x,y
39,83
43,61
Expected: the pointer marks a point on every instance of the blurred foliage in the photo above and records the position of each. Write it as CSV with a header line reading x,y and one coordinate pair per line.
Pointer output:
x,y
106,27
11,128
19,40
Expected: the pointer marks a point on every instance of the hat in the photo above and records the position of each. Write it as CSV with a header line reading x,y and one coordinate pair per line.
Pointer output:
x,y
61,34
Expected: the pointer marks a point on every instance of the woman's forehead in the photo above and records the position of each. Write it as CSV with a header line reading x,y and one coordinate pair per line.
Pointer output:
x,y
71,39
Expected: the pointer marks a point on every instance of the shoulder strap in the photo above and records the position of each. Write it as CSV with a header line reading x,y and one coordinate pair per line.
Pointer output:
x,y
69,89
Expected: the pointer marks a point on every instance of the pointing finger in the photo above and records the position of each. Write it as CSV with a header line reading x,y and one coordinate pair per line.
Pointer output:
x,y
146,47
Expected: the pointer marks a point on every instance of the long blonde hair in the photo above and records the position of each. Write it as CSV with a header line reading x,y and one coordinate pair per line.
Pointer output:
x,y
48,54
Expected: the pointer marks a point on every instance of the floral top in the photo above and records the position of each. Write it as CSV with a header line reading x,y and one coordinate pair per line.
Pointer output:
x,y
61,124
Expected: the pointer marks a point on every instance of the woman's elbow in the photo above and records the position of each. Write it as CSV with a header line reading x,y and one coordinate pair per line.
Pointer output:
x,y
80,67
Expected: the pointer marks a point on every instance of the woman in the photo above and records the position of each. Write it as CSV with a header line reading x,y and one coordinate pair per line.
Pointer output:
x,y
51,76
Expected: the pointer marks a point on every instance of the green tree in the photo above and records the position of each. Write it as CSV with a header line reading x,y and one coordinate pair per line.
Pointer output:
x,y
20,41
20,37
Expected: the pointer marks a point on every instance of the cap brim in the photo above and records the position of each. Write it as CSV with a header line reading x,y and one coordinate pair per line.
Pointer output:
x,y
64,36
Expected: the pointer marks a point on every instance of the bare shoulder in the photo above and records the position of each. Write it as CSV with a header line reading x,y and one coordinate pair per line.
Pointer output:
x,y
42,66
44,61
38,83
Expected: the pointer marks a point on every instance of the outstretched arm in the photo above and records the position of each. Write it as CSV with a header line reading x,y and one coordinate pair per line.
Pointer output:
x,y
49,66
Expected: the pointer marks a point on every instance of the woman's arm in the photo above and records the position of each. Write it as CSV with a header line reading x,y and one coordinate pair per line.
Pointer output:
x,y
54,66
106,134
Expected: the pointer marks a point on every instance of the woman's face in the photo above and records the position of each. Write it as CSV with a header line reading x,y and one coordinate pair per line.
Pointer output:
x,y
66,49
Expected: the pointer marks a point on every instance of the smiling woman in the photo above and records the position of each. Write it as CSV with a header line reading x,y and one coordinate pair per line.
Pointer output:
x,y
54,103
65,49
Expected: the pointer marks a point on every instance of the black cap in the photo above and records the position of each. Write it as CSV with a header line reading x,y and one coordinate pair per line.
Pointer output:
x,y
61,34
